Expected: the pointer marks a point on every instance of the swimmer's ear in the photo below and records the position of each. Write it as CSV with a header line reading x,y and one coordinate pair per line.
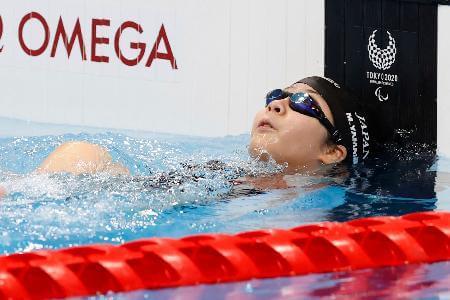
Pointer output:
x,y
333,154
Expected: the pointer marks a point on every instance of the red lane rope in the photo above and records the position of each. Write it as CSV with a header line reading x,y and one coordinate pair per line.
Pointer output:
x,y
161,262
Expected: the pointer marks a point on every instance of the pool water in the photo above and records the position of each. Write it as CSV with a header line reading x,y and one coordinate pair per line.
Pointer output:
x,y
182,185
405,282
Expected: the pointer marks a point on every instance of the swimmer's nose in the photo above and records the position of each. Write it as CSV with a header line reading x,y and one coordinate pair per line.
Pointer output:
x,y
278,106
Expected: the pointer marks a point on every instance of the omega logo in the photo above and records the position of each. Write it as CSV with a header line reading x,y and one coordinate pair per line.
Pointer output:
x,y
68,40
100,37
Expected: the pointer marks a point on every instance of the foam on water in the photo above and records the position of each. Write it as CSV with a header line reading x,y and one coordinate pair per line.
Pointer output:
x,y
174,190
169,178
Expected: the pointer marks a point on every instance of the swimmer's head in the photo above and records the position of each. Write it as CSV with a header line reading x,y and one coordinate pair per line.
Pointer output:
x,y
305,141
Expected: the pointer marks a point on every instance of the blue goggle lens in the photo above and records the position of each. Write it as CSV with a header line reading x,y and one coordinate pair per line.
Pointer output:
x,y
277,94
303,103
300,102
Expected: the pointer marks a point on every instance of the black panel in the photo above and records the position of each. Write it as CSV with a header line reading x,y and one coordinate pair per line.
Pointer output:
x,y
354,12
398,81
355,60
409,16
372,13
334,45
408,64
391,14
428,68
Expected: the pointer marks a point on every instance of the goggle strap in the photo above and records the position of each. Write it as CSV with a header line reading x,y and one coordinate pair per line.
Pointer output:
x,y
335,135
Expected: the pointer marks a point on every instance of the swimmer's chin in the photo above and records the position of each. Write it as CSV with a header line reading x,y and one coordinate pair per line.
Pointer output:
x,y
263,155
259,153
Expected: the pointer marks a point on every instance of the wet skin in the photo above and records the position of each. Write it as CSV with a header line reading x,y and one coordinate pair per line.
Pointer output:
x,y
291,138
295,140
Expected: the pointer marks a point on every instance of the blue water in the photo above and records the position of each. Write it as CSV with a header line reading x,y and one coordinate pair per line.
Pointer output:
x,y
54,211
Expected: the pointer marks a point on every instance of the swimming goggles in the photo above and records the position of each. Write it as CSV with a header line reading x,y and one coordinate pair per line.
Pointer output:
x,y
303,103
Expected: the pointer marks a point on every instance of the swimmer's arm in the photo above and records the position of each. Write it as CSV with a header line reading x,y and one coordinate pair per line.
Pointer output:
x,y
263,182
281,181
81,158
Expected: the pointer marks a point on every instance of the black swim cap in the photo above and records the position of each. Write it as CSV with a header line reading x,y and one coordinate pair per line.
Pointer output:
x,y
350,118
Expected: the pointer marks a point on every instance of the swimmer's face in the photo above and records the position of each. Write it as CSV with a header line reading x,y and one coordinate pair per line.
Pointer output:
x,y
293,138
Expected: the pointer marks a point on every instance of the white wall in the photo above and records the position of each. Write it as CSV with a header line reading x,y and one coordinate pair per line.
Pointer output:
x,y
443,95
229,54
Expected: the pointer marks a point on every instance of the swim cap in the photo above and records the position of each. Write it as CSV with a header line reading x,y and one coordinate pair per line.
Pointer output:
x,y
349,116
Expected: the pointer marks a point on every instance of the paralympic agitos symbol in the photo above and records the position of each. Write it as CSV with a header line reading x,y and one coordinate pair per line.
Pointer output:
x,y
380,96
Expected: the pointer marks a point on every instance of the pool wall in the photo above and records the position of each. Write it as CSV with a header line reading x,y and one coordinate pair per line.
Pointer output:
x,y
197,67
223,57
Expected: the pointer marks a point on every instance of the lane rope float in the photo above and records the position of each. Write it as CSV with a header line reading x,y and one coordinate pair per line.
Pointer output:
x,y
213,258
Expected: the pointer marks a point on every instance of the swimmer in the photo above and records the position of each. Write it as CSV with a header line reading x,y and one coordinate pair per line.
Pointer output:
x,y
310,125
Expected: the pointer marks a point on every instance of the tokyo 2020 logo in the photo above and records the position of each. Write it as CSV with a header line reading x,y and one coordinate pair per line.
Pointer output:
x,y
382,59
